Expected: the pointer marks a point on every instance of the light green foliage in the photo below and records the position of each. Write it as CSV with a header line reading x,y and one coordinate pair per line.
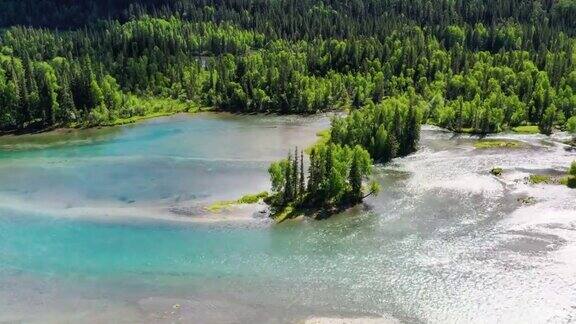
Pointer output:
x,y
571,179
572,170
277,171
252,199
547,122
386,130
219,206
99,115
531,129
555,180
540,179
374,188
454,35
323,139
571,125
498,144
284,213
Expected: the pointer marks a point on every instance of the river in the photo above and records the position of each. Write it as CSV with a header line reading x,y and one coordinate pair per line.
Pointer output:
x,y
445,241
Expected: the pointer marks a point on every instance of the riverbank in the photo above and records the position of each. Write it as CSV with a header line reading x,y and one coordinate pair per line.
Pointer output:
x,y
318,213
199,213
144,108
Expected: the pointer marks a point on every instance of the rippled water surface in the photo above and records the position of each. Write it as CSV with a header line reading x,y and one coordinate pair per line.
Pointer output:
x,y
445,241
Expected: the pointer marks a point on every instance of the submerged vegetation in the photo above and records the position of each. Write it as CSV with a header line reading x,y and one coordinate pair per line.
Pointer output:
x,y
219,206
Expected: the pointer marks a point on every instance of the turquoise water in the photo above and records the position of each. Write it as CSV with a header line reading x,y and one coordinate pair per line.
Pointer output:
x,y
444,241
162,162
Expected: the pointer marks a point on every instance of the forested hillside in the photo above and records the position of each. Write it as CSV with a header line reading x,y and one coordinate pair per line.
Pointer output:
x,y
480,66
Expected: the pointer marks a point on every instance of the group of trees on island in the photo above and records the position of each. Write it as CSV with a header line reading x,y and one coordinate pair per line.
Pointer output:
x,y
338,168
335,177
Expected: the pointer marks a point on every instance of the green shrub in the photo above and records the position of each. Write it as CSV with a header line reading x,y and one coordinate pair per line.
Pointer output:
x,y
571,125
530,129
572,170
252,199
497,143
539,179
496,171
572,182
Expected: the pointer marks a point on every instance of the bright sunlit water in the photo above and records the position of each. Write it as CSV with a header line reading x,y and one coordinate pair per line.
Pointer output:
x,y
445,241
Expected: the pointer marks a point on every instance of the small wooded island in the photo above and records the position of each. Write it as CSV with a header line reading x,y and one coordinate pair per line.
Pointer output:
x,y
340,163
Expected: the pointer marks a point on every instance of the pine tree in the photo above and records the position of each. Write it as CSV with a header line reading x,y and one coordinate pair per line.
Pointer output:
x,y
296,176
411,131
313,176
288,189
302,185
67,107
547,123
355,179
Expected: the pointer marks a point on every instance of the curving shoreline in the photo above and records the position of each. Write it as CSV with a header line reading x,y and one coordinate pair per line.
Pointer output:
x,y
199,213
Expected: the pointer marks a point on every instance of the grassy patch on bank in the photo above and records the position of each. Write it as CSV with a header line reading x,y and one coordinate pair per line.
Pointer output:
x,y
134,119
323,138
528,129
252,199
497,143
284,214
465,130
540,179
140,108
219,206
537,179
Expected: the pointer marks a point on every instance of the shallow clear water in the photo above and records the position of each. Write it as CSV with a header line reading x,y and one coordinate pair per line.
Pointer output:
x,y
161,162
444,242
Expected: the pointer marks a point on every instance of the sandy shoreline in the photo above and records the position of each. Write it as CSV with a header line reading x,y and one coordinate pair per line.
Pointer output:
x,y
343,320
191,213
199,309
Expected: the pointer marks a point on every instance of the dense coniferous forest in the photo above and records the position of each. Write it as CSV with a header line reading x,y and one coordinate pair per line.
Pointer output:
x,y
478,66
